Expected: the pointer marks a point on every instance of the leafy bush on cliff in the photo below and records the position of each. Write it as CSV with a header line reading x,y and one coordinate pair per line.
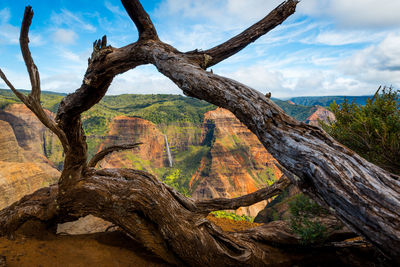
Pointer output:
x,y
303,219
372,130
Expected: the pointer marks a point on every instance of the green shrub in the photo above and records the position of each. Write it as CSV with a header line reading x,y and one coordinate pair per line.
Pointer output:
x,y
373,130
303,219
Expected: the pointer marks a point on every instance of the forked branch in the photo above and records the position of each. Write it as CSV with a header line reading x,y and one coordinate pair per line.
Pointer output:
x,y
108,150
240,41
206,206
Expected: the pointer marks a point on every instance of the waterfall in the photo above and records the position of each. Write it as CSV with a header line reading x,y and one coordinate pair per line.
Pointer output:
x,y
168,151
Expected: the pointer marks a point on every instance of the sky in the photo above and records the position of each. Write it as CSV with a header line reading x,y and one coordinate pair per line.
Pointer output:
x,y
328,47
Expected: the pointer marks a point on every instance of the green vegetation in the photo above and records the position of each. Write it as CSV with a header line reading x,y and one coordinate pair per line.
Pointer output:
x,y
303,219
232,216
325,101
185,165
299,112
372,130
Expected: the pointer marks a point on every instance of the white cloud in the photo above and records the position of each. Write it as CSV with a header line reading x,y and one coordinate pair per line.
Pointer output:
x,y
226,14
20,80
69,55
143,80
347,37
5,15
66,82
355,13
66,17
378,64
116,10
9,34
64,36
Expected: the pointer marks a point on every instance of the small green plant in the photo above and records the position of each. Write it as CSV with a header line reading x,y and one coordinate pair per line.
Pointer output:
x,y
304,222
232,216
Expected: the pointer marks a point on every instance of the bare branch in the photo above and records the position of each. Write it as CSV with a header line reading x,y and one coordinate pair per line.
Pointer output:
x,y
141,19
240,41
33,100
30,65
21,96
108,150
207,206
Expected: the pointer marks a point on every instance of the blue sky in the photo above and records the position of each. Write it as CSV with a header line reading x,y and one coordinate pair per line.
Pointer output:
x,y
328,47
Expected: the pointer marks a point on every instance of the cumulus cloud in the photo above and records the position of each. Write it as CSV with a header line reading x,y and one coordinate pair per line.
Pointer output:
x,y
143,80
227,14
65,82
9,34
355,13
378,64
64,36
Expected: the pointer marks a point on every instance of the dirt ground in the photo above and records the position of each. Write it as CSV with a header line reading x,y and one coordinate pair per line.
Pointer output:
x,y
35,246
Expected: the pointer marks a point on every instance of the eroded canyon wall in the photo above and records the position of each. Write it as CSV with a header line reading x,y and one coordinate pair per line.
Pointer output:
x,y
237,163
24,167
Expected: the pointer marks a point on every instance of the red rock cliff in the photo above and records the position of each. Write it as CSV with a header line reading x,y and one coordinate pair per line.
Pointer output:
x,y
237,163
321,114
23,167
151,154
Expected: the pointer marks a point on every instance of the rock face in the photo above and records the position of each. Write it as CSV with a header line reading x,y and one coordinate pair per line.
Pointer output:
x,y
23,166
38,143
321,114
237,163
18,179
9,148
150,155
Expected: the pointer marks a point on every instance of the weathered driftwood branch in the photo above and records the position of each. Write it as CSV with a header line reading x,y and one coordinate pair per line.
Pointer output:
x,y
240,41
32,101
26,54
141,19
358,191
108,150
275,189
41,205
363,196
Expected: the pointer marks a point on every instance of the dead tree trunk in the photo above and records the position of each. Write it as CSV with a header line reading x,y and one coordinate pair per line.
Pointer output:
x,y
365,197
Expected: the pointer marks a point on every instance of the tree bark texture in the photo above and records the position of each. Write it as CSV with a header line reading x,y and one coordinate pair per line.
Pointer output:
x,y
365,197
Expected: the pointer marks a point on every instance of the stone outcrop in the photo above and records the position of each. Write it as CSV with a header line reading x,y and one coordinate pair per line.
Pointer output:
x,y
148,156
9,148
18,179
38,143
23,166
320,114
237,163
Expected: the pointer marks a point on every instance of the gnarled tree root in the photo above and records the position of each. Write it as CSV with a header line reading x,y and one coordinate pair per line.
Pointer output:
x,y
151,214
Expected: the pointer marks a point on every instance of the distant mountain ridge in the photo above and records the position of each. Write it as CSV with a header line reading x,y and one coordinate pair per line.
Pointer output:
x,y
325,101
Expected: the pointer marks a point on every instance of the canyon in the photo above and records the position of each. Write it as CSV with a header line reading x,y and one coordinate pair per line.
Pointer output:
x,y
215,156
